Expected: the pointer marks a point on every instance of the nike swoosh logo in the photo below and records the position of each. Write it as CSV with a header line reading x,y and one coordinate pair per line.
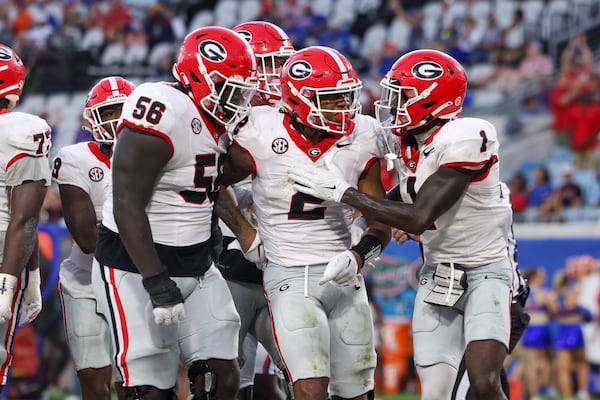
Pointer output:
x,y
340,145
426,153
330,187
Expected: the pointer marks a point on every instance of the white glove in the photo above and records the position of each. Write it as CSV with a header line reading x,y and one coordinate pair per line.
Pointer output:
x,y
341,269
256,252
325,183
167,315
32,298
7,292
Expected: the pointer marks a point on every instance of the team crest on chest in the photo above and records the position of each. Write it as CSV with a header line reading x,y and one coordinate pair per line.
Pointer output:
x,y
314,152
196,126
412,164
96,174
280,145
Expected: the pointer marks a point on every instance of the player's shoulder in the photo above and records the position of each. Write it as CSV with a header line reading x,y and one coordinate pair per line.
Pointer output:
x,y
159,91
258,122
467,128
20,123
77,151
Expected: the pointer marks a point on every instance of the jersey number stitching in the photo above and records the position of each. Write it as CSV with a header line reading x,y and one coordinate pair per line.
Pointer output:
x,y
153,108
297,210
201,181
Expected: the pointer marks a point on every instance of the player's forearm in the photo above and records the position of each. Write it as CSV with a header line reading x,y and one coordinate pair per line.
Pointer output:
x,y
20,242
398,215
227,210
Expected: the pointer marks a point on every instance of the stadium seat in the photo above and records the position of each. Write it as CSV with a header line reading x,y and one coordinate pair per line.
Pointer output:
x,y
200,19
159,51
249,10
456,11
480,10
344,12
32,103
373,40
58,102
226,13
532,10
113,54
504,12
399,33
322,8
93,38
135,54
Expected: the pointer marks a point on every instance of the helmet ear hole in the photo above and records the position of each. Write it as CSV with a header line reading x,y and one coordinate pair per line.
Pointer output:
x,y
428,105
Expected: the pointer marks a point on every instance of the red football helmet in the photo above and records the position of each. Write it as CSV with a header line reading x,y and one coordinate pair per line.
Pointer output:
x,y
219,69
12,75
272,47
421,86
108,92
320,88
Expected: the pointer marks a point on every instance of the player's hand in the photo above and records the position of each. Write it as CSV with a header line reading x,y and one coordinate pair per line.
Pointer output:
x,y
325,183
167,300
256,252
341,269
32,298
7,291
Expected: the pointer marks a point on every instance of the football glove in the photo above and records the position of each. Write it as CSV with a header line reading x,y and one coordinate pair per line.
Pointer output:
x,y
32,298
325,183
256,252
7,291
167,300
341,269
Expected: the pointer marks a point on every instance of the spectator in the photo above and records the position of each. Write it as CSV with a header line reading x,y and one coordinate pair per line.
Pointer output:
x,y
569,194
157,26
569,344
469,38
519,195
535,65
542,188
540,306
584,117
491,40
514,34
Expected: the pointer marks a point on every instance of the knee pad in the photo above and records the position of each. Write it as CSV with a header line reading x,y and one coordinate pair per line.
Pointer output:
x,y
148,392
209,379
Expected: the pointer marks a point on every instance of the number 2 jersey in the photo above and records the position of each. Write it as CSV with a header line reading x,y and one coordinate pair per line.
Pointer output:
x,y
298,229
181,206
474,231
22,135
82,165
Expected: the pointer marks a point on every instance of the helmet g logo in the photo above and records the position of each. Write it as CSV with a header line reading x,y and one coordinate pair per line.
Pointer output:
x,y
5,54
247,36
300,70
427,70
212,51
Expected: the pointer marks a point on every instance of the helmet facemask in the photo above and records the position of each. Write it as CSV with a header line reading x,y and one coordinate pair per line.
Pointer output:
x,y
269,70
102,123
332,109
229,98
392,109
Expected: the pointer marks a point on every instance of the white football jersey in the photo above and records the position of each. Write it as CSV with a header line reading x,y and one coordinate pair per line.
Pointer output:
x,y
298,229
82,165
474,231
181,206
22,135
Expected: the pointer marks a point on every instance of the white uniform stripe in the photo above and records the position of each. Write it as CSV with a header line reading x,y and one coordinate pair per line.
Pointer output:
x,y
338,60
113,86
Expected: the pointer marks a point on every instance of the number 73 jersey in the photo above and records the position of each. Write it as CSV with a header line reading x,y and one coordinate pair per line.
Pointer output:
x,y
298,229
181,206
21,135
474,231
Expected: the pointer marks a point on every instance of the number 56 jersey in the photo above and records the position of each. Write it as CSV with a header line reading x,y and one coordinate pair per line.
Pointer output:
x,y
298,229
181,206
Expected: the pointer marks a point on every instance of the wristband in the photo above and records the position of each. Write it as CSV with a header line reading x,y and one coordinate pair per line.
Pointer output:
x,y
162,289
368,249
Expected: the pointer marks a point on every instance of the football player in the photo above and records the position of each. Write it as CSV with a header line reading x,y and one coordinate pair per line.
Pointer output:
x,y
25,142
272,47
153,273
464,294
322,324
82,172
